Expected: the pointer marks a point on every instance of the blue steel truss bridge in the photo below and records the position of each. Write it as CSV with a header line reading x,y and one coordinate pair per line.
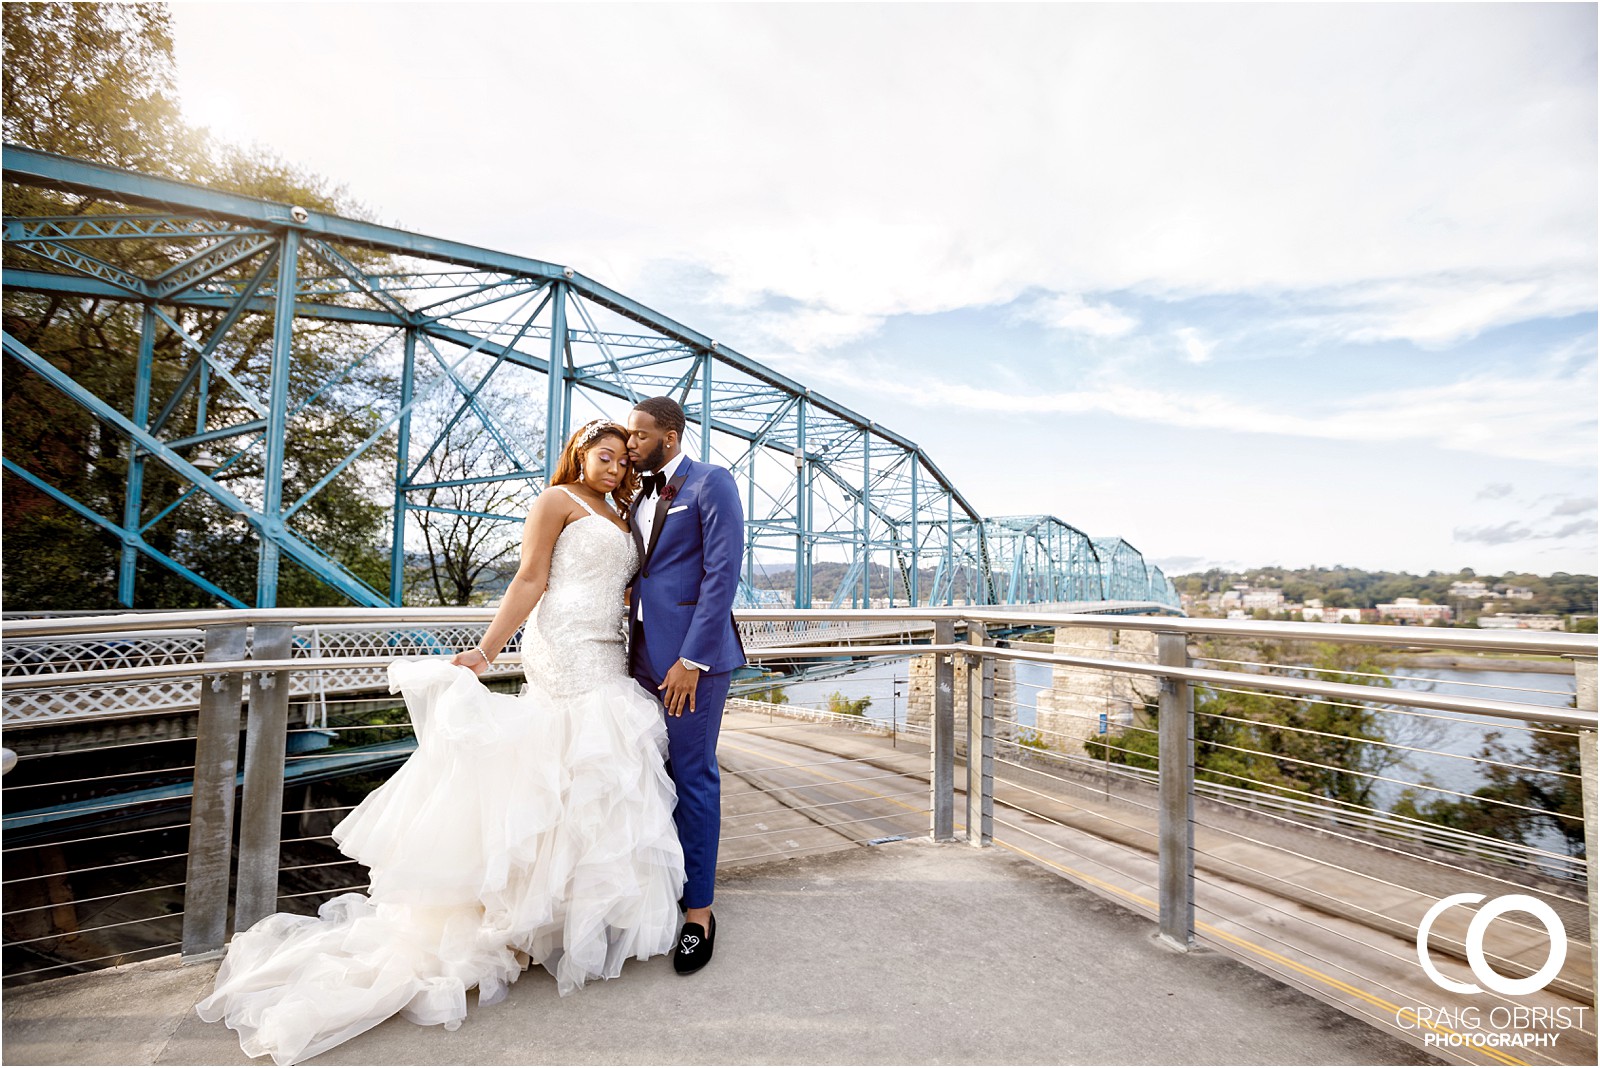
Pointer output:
x,y
501,350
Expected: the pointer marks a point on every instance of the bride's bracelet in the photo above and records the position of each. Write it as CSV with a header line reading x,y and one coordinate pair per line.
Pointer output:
x,y
487,659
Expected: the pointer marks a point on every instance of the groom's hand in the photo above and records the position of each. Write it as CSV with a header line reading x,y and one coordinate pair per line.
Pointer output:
x,y
679,685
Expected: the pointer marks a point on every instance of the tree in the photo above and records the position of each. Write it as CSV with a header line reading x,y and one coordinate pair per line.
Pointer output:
x,y
469,552
1296,746
96,81
1531,790
841,705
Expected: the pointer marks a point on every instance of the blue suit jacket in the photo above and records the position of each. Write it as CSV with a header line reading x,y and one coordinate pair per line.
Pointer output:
x,y
689,574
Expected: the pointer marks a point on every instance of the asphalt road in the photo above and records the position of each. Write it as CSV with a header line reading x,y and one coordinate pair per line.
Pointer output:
x,y
1335,918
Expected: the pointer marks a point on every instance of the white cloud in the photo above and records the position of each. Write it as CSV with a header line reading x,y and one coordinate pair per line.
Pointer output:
x,y
1196,348
1510,532
789,178
1529,416
1504,534
1439,310
1073,314
1425,171
1576,506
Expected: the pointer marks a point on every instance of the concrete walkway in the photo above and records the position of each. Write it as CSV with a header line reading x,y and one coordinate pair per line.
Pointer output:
x,y
905,953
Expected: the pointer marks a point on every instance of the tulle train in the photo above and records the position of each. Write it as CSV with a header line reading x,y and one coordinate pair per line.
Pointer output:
x,y
526,828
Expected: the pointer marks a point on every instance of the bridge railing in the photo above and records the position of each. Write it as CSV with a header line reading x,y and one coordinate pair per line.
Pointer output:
x,y
1193,842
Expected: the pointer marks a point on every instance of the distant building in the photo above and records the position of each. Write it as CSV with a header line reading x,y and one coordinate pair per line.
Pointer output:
x,y
1318,614
1411,610
1264,597
1473,590
1515,593
1519,621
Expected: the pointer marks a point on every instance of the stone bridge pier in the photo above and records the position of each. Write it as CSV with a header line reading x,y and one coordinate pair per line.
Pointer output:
x,y
919,705
1078,704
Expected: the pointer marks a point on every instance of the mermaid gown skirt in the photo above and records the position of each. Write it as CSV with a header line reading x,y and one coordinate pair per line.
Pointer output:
x,y
535,827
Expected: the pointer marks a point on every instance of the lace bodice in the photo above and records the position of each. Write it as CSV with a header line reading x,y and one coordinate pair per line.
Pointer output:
x,y
573,639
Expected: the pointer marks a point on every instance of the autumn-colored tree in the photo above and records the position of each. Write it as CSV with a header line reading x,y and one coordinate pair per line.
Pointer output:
x,y
96,81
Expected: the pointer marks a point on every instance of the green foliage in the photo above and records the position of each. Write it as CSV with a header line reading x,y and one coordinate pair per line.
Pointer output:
x,y
1544,776
96,81
827,575
839,704
1262,741
1582,626
1029,738
1345,587
772,695
388,725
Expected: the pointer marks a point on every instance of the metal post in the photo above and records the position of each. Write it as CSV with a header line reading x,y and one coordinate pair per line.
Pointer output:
x,y
949,548
980,740
132,505
916,534
802,513
216,777
943,778
555,416
277,422
402,464
749,515
705,409
1589,765
1175,859
262,817
866,518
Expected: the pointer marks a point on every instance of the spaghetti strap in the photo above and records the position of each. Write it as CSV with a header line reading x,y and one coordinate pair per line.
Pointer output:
x,y
584,504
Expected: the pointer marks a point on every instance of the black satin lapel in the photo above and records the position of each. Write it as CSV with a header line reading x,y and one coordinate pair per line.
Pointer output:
x,y
633,527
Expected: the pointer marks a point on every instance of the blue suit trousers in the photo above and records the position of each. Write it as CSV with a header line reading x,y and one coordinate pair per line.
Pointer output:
x,y
692,763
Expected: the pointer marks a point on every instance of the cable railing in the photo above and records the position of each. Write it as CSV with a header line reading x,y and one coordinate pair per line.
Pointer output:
x,y
1227,827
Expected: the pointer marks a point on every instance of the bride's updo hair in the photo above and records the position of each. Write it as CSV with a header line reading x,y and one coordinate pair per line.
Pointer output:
x,y
586,437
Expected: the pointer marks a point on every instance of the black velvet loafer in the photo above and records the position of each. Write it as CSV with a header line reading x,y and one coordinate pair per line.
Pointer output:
x,y
694,947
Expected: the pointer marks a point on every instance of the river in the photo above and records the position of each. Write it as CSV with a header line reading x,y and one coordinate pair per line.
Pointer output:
x,y
1453,737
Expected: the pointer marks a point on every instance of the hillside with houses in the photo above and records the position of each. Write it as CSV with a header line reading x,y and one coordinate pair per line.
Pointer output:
x,y
1559,601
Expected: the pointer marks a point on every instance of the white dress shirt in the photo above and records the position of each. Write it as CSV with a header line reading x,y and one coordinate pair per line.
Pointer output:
x,y
647,524
647,507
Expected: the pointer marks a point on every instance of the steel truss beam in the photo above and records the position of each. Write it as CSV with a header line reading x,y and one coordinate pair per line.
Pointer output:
x,y
822,483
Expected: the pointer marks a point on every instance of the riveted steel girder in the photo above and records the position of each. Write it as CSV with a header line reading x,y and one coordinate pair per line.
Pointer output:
x,y
824,486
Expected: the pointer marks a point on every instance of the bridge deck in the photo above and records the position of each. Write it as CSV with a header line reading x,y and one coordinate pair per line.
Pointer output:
x,y
902,953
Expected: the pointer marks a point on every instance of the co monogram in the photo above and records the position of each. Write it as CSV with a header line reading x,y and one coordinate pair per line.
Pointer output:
x,y
1481,969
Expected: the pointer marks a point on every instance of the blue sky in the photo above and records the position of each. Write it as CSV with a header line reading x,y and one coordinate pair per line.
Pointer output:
x,y
1275,284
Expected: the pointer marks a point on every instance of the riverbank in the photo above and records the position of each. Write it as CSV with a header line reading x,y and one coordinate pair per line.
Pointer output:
x,y
1544,665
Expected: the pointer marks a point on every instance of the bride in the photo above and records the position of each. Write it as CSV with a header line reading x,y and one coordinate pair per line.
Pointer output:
x,y
535,828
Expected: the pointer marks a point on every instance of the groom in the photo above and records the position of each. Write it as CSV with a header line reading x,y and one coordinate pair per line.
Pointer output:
x,y
683,645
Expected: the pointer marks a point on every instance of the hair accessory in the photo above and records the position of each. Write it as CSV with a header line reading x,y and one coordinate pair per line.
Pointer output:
x,y
589,432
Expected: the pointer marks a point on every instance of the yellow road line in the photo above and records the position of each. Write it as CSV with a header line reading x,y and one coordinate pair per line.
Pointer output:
x,y
824,775
1396,1011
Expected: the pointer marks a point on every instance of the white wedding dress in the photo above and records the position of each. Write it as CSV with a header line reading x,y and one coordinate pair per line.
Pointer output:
x,y
536,827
